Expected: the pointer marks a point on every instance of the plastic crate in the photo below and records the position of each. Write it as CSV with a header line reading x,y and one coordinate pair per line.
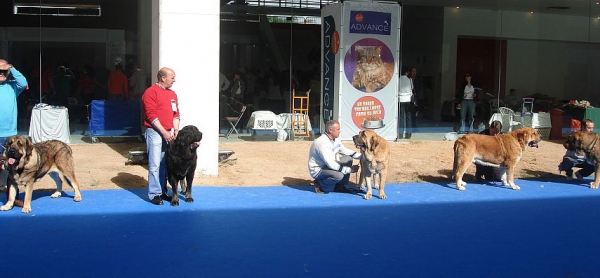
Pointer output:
x,y
544,132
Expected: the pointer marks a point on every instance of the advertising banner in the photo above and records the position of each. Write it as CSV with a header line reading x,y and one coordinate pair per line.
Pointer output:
x,y
371,43
366,89
330,62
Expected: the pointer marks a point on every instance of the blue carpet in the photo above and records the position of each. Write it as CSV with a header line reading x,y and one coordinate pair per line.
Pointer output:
x,y
547,229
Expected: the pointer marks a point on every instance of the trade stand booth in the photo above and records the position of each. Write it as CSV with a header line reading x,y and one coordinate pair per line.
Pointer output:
x,y
114,119
360,58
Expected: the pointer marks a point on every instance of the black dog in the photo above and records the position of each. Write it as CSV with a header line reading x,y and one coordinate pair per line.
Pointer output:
x,y
181,162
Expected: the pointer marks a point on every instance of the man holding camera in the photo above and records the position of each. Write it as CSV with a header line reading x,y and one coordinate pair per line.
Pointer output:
x,y
12,83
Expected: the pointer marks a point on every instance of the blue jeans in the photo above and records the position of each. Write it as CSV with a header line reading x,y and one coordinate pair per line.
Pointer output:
x,y
405,118
330,178
157,169
3,143
467,106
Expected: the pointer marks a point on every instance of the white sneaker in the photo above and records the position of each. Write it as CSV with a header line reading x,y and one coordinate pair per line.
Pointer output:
x,y
579,177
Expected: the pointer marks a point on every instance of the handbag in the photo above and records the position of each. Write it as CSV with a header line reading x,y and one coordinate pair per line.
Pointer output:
x,y
239,89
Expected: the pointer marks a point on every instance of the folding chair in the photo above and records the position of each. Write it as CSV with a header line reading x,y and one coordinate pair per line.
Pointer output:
x,y
233,121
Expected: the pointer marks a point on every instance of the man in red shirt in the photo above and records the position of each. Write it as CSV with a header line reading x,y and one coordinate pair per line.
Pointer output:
x,y
161,117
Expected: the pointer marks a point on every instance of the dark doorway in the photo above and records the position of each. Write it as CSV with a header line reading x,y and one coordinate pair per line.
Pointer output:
x,y
485,60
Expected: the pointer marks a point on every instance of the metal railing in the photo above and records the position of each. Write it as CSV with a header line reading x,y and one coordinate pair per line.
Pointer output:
x,y
298,4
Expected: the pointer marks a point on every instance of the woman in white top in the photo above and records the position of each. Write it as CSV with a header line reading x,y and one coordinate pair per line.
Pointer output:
x,y
405,93
466,96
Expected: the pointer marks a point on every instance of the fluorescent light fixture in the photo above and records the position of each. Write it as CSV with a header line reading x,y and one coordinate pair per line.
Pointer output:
x,y
56,9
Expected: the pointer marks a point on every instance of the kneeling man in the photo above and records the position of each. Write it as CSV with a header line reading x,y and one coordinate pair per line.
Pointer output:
x,y
330,162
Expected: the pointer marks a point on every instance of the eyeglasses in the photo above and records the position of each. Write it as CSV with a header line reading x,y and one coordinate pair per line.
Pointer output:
x,y
4,72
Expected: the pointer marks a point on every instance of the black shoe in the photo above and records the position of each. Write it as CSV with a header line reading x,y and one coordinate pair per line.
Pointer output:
x,y
156,200
407,136
166,197
341,189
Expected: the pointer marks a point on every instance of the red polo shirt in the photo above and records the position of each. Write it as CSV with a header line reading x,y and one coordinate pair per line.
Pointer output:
x,y
159,103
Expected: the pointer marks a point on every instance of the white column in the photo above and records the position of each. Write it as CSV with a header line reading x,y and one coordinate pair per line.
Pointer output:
x,y
185,37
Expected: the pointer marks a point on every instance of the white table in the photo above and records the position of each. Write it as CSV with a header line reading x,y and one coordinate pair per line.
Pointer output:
x,y
267,120
49,123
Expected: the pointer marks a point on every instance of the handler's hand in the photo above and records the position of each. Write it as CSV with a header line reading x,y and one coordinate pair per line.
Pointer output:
x,y
168,137
354,168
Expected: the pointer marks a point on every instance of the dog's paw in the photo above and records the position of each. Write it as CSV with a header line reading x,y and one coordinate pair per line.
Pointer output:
x,y
367,196
593,186
77,198
382,196
26,209
515,187
460,187
174,202
56,194
189,200
5,208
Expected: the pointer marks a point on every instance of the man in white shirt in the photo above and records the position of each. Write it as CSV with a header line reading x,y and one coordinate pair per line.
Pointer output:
x,y
330,162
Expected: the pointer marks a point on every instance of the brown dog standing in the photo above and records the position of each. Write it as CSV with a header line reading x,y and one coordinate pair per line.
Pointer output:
x,y
586,142
28,162
374,161
502,149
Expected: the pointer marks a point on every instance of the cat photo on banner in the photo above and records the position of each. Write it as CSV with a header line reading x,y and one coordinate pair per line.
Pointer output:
x,y
371,72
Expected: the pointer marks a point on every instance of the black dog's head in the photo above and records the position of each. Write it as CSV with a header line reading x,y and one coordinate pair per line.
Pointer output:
x,y
189,137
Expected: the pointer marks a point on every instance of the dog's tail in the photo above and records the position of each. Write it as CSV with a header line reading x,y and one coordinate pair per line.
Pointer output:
x,y
457,149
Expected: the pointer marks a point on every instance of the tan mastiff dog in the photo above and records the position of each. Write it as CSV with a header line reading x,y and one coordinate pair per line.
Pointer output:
x,y
499,150
28,162
374,161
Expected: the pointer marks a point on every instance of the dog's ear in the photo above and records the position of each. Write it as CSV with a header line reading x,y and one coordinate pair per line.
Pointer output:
x,y
373,144
28,146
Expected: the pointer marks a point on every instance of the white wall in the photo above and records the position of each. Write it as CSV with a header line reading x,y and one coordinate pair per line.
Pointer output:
x,y
549,54
186,39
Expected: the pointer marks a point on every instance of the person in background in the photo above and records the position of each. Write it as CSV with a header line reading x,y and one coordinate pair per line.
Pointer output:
x,y
330,162
238,87
416,108
405,95
161,111
85,85
118,89
466,97
512,101
12,83
138,83
61,85
572,159
223,83
490,173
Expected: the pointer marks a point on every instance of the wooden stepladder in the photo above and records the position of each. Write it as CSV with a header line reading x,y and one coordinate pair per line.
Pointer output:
x,y
300,121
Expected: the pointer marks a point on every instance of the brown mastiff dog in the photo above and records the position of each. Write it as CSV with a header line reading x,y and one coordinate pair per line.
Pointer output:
x,y
28,162
374,161
500,150
584,142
